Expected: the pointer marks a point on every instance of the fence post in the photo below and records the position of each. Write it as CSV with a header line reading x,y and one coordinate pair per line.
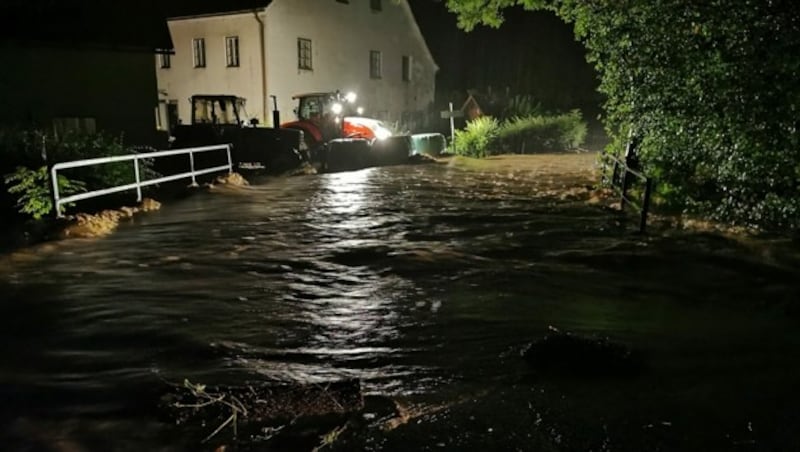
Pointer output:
x,y
191,167
614,170
648,187
230,161
626,184
138,179
54,190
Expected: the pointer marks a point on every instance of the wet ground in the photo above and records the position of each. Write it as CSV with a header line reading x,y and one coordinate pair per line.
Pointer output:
x,y
424,282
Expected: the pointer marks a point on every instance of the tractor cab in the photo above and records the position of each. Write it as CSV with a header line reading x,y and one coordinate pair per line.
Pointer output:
x,y
325,106
330,115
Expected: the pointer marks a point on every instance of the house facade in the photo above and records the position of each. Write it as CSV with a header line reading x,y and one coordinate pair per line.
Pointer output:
x,y
289,47
68,70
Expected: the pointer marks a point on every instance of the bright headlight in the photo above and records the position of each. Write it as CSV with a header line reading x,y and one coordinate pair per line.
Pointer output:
x,y
336,108
351,97
382,133
360,110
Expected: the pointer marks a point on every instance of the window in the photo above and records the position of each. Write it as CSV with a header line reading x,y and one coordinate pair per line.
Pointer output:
x,y
406,68
304,54
376,5
232,51
199,52
164,61
375,70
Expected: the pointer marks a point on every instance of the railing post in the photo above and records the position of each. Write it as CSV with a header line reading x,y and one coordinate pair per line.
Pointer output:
x,y
648,187
138,179
191,167
54,182
230,161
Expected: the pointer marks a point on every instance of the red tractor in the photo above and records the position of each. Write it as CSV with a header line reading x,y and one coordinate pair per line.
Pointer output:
x,y
324,117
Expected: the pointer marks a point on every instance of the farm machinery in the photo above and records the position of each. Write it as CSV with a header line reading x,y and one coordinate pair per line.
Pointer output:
x,y
221,119
330,133
337,136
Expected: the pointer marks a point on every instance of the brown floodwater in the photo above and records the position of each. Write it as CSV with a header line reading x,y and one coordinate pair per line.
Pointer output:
x,y
423,282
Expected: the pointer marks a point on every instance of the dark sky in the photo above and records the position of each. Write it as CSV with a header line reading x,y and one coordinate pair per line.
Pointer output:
x,y
531,53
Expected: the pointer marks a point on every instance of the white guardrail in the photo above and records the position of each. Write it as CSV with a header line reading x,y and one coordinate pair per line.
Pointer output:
x,y
138,184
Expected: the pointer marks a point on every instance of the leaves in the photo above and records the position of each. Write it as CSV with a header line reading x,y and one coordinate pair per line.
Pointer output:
x,y
535,133
33,190
477,138
710,88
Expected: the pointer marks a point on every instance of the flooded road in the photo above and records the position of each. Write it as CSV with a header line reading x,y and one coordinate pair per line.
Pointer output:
x,y
424,282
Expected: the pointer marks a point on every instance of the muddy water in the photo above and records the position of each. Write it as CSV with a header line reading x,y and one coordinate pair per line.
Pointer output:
x,y
424,283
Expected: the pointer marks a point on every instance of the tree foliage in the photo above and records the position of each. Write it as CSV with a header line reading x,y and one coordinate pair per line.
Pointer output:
x,y
31,186
711,89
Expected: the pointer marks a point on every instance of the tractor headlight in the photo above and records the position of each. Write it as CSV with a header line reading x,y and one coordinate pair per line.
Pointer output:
x,y
382,133
336,108
351,97
360,111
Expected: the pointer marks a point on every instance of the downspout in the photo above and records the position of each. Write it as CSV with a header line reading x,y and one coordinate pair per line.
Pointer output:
x,y
263,57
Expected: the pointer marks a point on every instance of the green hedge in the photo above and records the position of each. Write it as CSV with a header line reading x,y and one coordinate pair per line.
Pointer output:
x,y
543,133
484,136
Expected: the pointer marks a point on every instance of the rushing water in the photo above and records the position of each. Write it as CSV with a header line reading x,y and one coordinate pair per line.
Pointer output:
x,y
424,283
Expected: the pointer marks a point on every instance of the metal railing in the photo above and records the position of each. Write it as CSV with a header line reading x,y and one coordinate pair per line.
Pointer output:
x,y
138,184
621,170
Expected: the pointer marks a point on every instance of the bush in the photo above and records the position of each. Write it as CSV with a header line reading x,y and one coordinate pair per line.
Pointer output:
x,y
29,182
32,188
538,133
23,147
77,146
477,138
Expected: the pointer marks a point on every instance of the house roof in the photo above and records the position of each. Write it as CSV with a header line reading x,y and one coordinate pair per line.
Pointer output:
x,y
129,25
210,8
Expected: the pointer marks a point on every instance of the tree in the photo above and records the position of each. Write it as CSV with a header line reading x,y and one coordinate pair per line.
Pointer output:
x,y
711,88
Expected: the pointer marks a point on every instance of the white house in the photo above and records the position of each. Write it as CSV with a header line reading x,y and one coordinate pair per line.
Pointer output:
x,y
289,47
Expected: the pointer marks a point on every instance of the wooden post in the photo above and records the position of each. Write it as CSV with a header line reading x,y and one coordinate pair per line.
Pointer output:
x,y
648,187
451,115
626,184
452,124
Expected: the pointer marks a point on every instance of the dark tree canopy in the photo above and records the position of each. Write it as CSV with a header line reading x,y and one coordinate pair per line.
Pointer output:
x,y
711,88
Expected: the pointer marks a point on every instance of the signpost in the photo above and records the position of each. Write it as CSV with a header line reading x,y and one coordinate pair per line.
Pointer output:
x,y
452,115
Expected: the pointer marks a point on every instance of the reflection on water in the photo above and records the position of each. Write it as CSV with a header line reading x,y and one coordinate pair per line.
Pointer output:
x,y
423,282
